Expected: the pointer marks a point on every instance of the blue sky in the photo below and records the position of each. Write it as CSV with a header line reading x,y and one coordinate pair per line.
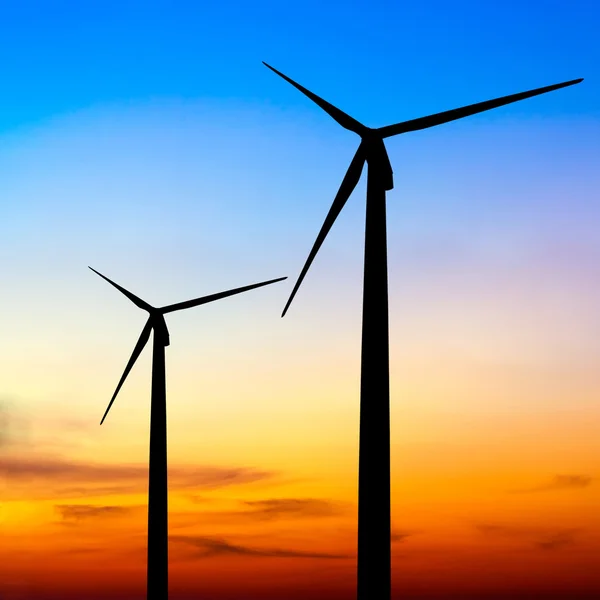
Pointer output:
x,y
148,140
382,61
139,133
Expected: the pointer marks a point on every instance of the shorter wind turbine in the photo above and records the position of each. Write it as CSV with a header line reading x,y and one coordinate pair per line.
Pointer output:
x,y
157,568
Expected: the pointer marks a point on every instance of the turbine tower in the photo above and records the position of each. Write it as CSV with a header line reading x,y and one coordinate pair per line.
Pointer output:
x,y
157,568
374,520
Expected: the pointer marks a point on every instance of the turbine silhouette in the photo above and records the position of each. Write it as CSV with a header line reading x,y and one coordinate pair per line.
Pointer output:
x,y
157,568
374,521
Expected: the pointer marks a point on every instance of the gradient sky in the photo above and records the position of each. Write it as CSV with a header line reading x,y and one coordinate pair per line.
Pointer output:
x,y
147,140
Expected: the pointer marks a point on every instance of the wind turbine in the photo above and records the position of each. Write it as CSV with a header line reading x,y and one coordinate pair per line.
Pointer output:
x,y
374,522
157,568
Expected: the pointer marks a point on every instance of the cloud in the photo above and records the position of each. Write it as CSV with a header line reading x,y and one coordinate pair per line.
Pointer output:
x,y
85,550
275,508
272,509
212,478
80,512
4,425
504,530
400,536
557,540
14,424
196,499
560,482
542,539
211,546
281,508
22,428
60,476
192,518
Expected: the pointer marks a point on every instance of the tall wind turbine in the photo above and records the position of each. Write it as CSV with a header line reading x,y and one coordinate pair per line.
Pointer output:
x,y
374,522
157,568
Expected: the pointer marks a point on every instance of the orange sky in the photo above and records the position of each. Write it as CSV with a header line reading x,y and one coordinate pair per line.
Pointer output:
x,y
492,505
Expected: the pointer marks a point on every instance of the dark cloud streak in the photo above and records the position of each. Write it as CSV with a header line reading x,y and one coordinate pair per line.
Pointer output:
x,y
559,483
208,547
81,512
274,508
14,424
557,540
61,477
400,536
541,539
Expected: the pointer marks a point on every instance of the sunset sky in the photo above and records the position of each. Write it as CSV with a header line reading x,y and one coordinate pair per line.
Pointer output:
x,y
147,140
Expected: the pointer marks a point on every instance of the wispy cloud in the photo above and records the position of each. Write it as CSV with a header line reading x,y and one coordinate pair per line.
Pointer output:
x,y
197,499
60,477
275,508
20,429
558,483
207,547
4,424
540,538
400,536
492,529
556,540
13,423
81,512
212,478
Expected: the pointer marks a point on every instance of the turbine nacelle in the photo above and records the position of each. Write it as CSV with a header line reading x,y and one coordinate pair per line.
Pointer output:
x,y
159,327
378,160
